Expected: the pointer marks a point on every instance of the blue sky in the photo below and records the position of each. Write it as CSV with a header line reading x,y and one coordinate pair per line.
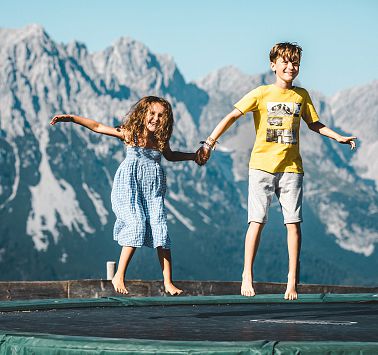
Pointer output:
x,y
339,37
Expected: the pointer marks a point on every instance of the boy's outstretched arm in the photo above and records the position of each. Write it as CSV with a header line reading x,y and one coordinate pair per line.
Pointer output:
x,y
204,152
322,129
90,124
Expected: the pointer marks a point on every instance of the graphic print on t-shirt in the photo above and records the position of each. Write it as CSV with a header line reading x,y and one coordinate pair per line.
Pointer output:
x,y
284,115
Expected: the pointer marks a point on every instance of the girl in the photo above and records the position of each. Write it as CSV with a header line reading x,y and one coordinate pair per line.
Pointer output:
x,y
139,185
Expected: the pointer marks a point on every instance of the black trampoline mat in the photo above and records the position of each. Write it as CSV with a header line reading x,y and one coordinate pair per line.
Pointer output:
x,y
234,322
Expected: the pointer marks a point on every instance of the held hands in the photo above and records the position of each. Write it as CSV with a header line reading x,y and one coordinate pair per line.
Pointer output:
x,y
348,140
202,155
204,152
61,118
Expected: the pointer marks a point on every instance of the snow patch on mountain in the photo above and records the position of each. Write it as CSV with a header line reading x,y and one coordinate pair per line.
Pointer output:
x,y
205,218
63,258
17,176
180,197
351,109
184,220
349,236
97,203
52,198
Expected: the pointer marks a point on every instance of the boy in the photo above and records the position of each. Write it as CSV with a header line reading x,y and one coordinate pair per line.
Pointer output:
x,y
275,166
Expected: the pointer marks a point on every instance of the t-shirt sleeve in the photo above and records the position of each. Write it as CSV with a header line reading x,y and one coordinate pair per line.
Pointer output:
x,y
249,102
309,113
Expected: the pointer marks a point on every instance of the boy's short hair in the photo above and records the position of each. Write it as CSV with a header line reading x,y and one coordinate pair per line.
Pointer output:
x,y
286,50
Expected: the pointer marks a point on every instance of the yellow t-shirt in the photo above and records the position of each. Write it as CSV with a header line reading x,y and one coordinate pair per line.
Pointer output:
x,y
277,114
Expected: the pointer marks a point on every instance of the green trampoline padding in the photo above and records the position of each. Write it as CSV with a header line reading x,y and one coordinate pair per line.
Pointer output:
x,y
264,319
40,344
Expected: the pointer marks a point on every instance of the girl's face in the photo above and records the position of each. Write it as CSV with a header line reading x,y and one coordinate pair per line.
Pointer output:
x,y
154,116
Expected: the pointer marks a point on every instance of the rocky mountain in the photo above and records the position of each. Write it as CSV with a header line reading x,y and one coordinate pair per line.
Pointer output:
x,y
357,108
55,182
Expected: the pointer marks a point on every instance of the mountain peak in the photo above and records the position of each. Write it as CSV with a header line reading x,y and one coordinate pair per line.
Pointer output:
x,y
130,44
231,79
222,73
34,28
76,49
132,62
33,34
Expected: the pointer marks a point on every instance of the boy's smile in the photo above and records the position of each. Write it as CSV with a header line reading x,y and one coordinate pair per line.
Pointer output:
x,y
286,71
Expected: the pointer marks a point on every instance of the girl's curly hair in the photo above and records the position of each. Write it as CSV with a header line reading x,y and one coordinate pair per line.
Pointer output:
x,y
134,123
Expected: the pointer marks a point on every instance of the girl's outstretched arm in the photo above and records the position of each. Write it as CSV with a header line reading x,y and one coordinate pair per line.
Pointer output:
x,y
90,124
177,156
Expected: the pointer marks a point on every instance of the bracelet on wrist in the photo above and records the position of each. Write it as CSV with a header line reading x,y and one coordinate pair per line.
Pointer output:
x,y
211,142
206,144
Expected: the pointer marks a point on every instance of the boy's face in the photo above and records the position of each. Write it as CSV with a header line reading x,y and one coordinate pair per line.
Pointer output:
x,y
286,70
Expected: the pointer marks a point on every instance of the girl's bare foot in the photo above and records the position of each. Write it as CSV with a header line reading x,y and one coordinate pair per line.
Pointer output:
x,y
119,284
291,289
172,289
247,287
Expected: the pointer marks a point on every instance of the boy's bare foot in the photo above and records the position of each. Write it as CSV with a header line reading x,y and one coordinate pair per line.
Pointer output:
x,y
291,289
247,287
172,289
119,285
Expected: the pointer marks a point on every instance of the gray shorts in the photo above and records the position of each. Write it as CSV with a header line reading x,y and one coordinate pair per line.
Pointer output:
x,y
288,187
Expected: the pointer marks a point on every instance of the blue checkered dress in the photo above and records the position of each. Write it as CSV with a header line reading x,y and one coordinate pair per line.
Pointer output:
x,y
138,200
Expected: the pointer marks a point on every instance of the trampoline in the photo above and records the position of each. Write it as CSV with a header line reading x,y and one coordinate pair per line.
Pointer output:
x,y
316,323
